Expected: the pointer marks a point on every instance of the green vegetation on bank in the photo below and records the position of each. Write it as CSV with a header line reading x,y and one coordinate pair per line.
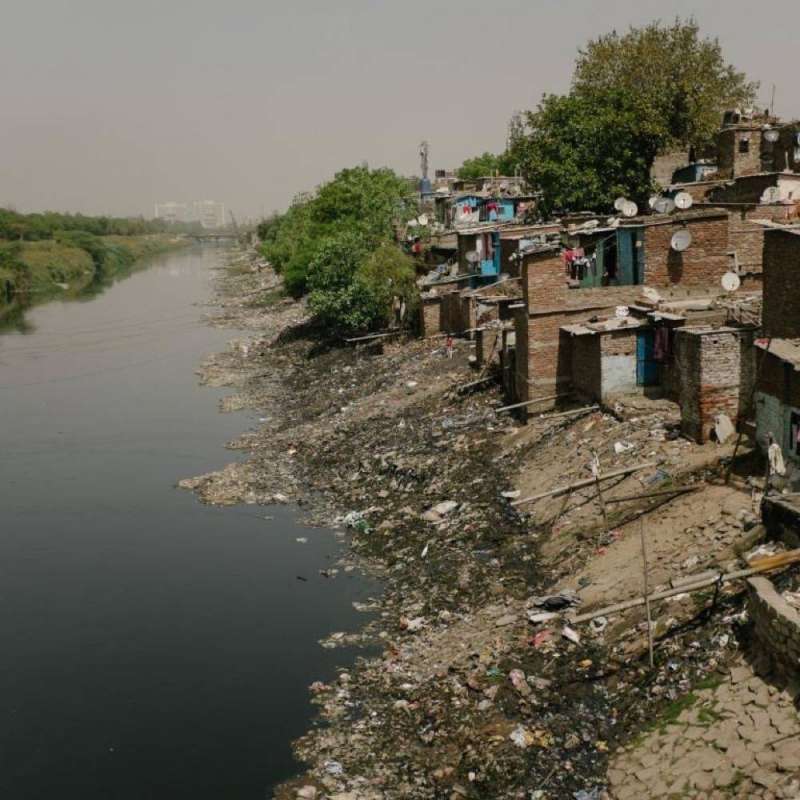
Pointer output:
x,y
337,244
48,224
48,254
69,264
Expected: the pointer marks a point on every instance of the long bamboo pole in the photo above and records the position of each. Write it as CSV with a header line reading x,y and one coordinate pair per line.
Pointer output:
x,y
617,473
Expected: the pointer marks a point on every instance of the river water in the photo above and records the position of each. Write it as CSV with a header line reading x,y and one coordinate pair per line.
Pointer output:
x,y
152,647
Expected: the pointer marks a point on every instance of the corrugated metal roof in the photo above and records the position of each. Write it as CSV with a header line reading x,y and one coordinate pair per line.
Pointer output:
x,y
787,350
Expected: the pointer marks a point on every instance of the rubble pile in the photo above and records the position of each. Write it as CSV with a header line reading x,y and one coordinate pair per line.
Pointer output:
x,y
476,682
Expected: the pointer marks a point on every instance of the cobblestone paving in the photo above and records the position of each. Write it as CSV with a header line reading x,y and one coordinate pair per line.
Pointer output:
x,y
740,739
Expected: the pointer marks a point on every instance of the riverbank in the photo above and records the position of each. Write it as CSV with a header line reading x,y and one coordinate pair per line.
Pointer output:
x,y
69,267
474,693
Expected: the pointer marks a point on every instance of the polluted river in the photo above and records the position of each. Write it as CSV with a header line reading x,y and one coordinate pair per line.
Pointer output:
x,y
153,646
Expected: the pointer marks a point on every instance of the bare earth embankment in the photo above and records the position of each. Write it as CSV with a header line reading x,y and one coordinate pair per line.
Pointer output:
x,y
467,697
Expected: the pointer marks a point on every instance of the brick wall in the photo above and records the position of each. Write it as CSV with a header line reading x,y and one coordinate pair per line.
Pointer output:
x,y
665,164
702,264
776,627
586,365
781,284
746,237
715,374
488,343
731,162
430,316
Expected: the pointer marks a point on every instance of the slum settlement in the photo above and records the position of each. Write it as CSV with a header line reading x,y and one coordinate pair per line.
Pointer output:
x,y
579,482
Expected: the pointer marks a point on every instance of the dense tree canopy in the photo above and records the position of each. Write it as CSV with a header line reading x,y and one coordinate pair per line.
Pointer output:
x,y
325,241
45,225
678,81
633,95
479,167
582,156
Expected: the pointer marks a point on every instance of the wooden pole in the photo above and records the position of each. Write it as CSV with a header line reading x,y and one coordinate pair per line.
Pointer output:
x,y
759,565
617,473
575,411
600,493
646,594
677,490
530,402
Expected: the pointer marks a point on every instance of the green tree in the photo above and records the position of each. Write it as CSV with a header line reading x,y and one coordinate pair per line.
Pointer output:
x,y
678,81
480,166
367,203
583,155
353,288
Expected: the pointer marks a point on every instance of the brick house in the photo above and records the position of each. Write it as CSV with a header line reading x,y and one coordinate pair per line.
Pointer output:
x,y
714,369
634,255
777,395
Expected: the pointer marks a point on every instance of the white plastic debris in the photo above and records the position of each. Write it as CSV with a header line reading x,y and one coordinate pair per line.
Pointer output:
x,y
571,635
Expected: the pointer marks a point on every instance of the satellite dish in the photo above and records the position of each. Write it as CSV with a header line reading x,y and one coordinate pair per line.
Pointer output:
x,y
422,219
772,135
651,294
622,311
665,205
473,257
683,200
619,203
653,201
681,240
731,282
630,209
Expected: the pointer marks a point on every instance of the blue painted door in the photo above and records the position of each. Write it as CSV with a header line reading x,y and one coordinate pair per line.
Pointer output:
x,y
646,366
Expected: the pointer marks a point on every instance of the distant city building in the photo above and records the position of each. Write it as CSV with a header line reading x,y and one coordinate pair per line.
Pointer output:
x,y
209,213
172,212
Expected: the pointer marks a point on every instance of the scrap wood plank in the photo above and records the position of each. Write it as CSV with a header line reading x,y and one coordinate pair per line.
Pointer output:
x,y
756,566
467,386
373,336
617,473
662,492
575,411
531,402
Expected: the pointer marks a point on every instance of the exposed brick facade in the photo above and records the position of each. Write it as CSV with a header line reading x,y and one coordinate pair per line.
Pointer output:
x,y
702,264
732,160
781,316
715,374
488,346
430,316
746,237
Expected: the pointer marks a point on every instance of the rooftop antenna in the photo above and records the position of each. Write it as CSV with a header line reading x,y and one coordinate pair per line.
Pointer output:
x,y
423,160
772,102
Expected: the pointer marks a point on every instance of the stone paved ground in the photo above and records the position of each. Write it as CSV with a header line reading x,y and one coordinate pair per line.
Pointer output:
x,y
740,739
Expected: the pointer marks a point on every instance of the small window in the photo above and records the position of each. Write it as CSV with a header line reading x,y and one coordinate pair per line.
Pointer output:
x,y
744,145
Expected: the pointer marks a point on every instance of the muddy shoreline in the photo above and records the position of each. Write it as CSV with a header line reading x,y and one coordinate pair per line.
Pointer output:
x,y
467,697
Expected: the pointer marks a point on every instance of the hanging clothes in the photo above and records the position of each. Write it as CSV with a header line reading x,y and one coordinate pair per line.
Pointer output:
x,y
661,344
776,463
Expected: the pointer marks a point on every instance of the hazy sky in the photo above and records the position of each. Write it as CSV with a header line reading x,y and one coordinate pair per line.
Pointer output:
x,y
108,106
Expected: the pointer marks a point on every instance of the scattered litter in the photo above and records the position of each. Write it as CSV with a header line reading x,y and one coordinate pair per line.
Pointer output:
x,y
623,447
511,494
570,634
555,602
301,540
598,624
333,768
723,428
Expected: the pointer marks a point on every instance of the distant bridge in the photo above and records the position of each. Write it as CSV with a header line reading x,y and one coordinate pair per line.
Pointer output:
x,y
211,236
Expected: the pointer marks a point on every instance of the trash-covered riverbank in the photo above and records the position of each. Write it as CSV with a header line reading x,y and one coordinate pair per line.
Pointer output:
x,y
480,688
